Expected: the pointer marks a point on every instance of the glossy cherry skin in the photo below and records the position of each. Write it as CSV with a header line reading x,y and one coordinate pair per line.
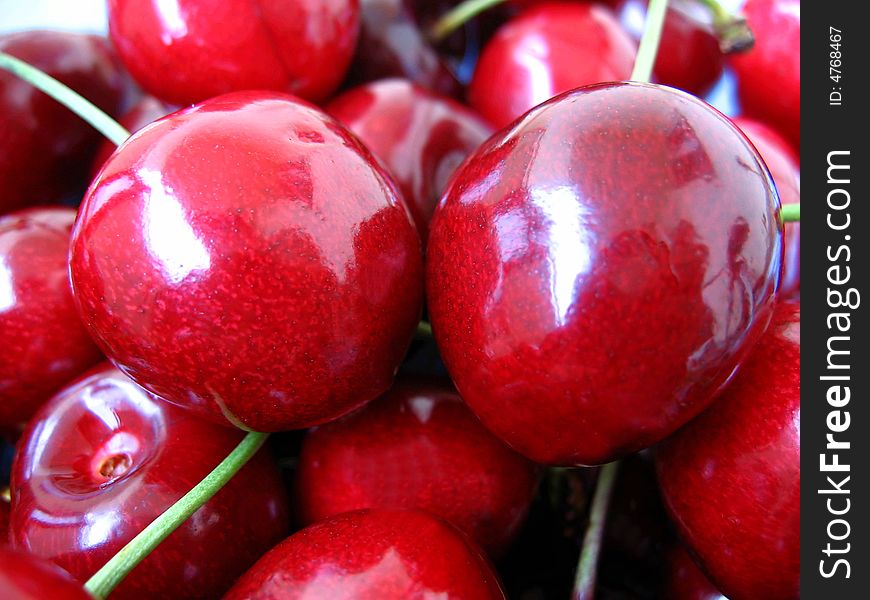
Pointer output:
x,y
418,446
731,478
372,555
24,576
785,170
104,458
689,57
186,51
248,259
45,149
685,581
44,343
769,75
597,271
547,50
421,137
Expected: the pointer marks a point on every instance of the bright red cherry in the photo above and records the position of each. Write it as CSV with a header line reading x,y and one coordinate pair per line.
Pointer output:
x,y
421,137
547,50
248,259
597,271
731,478
418,446
24,576
44,343
45,150
685,581
104,458
785,170
186,51
769,75
372,555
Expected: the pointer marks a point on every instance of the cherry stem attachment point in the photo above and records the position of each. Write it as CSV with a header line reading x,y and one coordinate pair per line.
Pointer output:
x,y
791,213
458,16
119,566
72,100
424,330
587,568
649,43
731,29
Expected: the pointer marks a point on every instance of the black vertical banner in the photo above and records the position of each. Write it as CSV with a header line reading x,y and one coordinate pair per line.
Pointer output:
x,y
835,364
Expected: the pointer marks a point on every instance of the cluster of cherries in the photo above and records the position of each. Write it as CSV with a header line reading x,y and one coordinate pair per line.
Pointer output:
x,y
603,263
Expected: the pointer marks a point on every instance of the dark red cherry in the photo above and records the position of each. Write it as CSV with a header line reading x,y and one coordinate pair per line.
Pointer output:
x,y
597,271
421,137
688,57
769,75
4,520
24,576
372,555
685,581
785,170
186,51
546,50
418,446
248,259
45,149
104,458
731,478
44,343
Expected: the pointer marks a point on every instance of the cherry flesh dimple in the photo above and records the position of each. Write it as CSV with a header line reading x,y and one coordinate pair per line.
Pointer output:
x,y
418,446
189,50
419,136
785,170
45,344
685,581
248,259
731,478
372,555
547,50
769,75
104,458
597,271
27,577
45,149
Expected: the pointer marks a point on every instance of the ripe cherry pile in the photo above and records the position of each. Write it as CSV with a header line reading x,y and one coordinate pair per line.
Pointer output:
x,y
519,308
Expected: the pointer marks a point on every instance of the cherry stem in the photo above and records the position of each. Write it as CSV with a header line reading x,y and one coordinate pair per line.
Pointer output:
x,y
587,568
119,566
424,330
649,43
73,101
458,16
791,213
732,30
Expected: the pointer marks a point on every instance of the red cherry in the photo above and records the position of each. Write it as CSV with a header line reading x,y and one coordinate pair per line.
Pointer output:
x,y
418,446
248,259
785,170
4,521
44,343
45,149
104,458
685,581
372,555
546,50
731,478
769,75
27,577
598,270
421,137
186,51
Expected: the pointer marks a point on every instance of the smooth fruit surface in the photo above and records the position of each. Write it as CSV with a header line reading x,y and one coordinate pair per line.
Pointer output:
x,y
248,259
421,137
372,555
44,343
418,446
546,50
731,478
597,271
104,458
685,581
27,577
186,51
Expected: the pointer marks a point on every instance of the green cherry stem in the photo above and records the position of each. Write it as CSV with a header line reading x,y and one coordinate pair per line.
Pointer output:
x,y
73,101
587,568
791,213
649,43
731,29
119,566
458,16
